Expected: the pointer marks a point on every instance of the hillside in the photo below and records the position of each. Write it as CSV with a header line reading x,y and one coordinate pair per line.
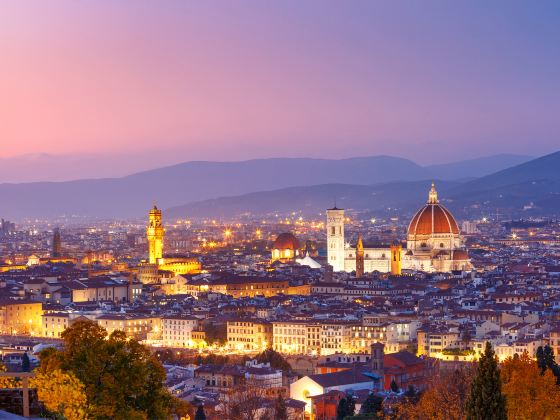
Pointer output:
x,y
511,191
400,197
197,181
535,184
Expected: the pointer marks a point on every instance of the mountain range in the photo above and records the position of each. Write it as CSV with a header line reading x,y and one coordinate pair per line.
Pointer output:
x,y
194,188
531,188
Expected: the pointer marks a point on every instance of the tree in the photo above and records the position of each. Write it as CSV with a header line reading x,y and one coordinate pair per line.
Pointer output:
x,y
411,395
350,404
529,394
122,379
5,381
443,400
342,409
275,359
346,407
244,403
25,363
215,333
280,409
62,394
486,400
394,386
372,405
200,415
546,360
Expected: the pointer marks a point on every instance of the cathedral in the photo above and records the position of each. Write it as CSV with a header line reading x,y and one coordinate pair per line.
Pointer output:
x,y
433,244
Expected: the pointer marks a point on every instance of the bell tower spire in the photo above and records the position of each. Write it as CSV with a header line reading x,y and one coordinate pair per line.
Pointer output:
x,y
359,257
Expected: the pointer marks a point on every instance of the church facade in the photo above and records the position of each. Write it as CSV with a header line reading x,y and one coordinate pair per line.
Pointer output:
x,y
433,244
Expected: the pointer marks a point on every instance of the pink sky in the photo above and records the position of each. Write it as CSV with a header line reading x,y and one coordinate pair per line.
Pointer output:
x,y
235,80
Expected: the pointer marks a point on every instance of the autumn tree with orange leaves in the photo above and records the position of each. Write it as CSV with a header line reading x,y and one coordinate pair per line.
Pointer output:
x,y
529,394
443,400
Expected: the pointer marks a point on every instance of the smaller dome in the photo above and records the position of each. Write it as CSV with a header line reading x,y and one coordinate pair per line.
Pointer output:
x,y
286,241
460,254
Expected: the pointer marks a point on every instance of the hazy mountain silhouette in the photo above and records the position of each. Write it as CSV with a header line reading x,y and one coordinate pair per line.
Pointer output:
x,y
534,184
389,198
195,181
511,190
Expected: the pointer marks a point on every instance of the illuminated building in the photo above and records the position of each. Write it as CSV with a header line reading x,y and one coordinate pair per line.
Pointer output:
x,y
178,330
148,273
54,323
98,289
296,337
21,317
154,233
243,286
249,334
335,239
359,257
396,263
180,265
433,244
286,247
136,326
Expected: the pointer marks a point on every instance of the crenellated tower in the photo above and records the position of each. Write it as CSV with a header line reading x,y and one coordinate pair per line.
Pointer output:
x,y
154,233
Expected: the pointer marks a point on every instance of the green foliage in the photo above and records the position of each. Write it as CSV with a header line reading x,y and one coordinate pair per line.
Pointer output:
x,y
411,395
215,333
342,409
212,359
122,378
546,360
372,405
486,400
25,363
345,408
280,409
457,352
275,359
200,415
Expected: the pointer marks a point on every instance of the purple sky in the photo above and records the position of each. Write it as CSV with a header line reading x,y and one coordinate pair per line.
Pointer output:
x,y
227,80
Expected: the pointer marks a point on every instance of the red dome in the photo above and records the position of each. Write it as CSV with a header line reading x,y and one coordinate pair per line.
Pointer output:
x,y
433,218
286,241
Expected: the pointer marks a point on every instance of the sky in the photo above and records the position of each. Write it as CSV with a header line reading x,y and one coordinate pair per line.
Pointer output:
x,y
146,83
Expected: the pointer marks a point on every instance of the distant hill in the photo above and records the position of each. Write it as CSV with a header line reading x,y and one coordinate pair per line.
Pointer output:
x,y
400,197
510,190
536,182
195,181
474,168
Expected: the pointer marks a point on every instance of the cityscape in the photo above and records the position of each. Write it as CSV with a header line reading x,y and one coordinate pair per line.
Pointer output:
x,y
253,257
